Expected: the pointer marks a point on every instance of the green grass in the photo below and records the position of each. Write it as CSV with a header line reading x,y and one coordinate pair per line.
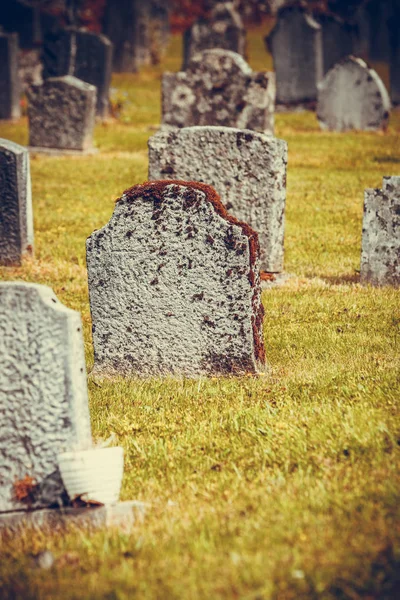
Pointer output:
x,y
284,486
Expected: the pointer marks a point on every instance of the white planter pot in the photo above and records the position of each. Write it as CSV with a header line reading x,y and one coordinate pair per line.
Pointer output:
x,y
93,474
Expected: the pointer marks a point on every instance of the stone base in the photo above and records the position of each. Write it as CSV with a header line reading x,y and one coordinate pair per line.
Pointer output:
x,y
61,151
274,280
121,516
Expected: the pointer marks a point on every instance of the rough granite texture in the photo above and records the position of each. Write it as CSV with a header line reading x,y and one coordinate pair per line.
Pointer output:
x,y
247,169
61,114
16,219
85,55
224,29
296,46
43,393
352,96
219,88
9,79
338,37
174,286
380,255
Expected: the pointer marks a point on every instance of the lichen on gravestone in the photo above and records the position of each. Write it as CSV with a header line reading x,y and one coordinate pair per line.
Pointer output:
x,y
43,394
174,286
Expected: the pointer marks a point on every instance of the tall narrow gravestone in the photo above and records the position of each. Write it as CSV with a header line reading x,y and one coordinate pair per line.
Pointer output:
x,y
43,394
16,221
246,168
219,88
9,81
61,114
296,47
224,29
395,55
338,38
85,55
352,96
380,255
174,286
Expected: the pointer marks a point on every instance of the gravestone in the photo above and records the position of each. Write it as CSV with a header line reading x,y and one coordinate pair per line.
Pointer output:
x,y
85,55
247,169
9,80
379,17
219,88
174,286
380,255
352,96
337,39
395,54
43,394
16,220
61,114
224,29
160,29
296,47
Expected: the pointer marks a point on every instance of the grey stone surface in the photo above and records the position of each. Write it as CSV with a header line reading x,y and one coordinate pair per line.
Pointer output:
x,y
380,255
338,38
85,55
352,96
174,286
246,168
122,516
224,29
61,114
43,394
296,46
9,79
16,219
219,88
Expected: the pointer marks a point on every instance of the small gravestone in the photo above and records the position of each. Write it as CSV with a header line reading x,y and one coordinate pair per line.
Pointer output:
x,y
296,47
16,221
352,96
9,80
43,394
174,286
85,55
380,255
224,29
247,169
337,39
61,114
219,88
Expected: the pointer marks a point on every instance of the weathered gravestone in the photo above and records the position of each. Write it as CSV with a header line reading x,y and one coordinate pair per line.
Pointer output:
x,y
85,55
174,286
61,114
246,168
338,38
296,47
380,255
43,395
224,29
16,221
219,88
352,96
9,80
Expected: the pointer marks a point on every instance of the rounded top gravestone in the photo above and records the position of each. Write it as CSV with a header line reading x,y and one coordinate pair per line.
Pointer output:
x,y
352,96
174,286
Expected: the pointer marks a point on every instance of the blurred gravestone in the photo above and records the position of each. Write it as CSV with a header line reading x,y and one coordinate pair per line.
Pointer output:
x,y
16,222
83,54
394,31
246,168
379,15
43,394
219,88
223,30
174,286
61,114
9,80
159,29
380,256
352,96
296,47
337,39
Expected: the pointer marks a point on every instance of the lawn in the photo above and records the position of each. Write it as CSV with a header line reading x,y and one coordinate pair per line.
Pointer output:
x,y
280,487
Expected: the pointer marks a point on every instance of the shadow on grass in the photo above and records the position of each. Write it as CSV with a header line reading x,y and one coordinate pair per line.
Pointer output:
x,y
342,279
